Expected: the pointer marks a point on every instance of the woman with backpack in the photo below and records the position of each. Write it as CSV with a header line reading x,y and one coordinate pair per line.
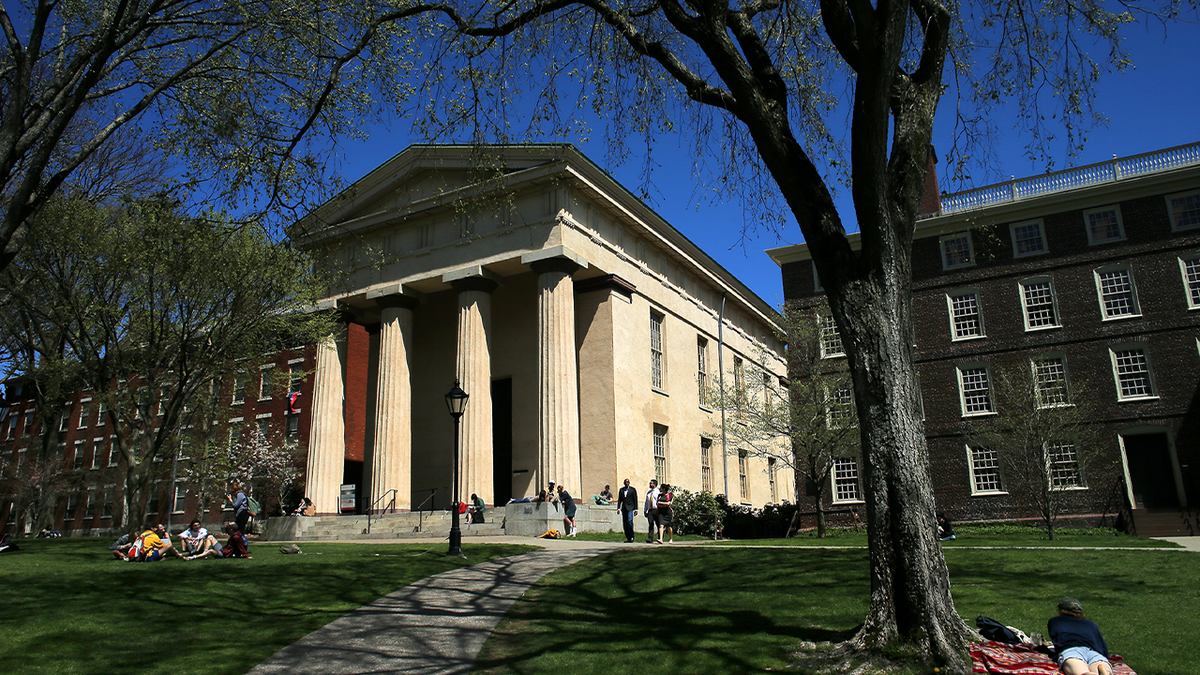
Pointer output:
x,y
240,505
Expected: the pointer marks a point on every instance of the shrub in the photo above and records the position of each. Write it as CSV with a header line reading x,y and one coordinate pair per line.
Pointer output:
x,y
692,512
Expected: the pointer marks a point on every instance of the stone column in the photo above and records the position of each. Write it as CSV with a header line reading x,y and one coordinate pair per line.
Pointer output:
x,y
391,456
558,375
474,371
326,440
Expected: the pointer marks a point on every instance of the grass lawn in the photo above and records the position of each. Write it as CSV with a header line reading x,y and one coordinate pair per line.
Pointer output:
x,y
734,610
69,607
976,535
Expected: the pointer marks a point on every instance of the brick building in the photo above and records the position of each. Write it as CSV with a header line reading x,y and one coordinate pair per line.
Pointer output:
x,y
1089,275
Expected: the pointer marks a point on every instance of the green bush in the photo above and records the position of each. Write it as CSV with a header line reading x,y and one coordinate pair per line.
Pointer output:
x,y
693,512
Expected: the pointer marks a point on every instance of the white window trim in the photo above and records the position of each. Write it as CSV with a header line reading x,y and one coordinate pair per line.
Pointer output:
x,y
971,476
661,322
1012,233
1187,292
1171,213
1080,485
1087,226
857,478
1025,307
962,394
1133,292
827,322
1112,355
970,250
1033,361
262,371
958,292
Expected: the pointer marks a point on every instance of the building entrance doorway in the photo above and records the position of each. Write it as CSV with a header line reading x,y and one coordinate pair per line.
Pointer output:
x,y
502,475
1151,471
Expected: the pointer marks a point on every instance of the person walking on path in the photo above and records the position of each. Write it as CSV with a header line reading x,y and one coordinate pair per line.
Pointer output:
x,y
1080,646
651,509
627,503
664,514
568,511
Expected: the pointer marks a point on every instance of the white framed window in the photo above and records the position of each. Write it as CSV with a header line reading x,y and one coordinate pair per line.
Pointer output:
x,y
771,479
739,382
845,480
28,430
101,413
114,452
966,320
72,506
64,421
743,475
239,389
702,369
660,453
236,428
12,428
657,362
180,500
831,340
706,464
295,377
1104,225
1131,372
1116,292
985,471
80,452
266,379
1027,238
1050,380
975,388
106,506
1184,210
1038,303
292,426
97,453
1189,267
1062,462
85,409
89,504
957,250
839,405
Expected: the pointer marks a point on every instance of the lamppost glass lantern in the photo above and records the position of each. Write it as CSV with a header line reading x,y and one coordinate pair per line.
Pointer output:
x,y
456,401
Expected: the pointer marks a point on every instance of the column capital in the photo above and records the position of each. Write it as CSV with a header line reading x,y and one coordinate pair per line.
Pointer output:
x,y
395,296
472,278
555,259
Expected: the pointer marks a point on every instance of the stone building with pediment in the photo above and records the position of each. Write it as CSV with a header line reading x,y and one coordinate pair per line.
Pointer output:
x,y
583,326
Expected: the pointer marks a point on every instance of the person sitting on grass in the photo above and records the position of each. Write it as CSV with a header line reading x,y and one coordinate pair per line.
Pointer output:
x,y
153,545
235,547
193,538
1077,641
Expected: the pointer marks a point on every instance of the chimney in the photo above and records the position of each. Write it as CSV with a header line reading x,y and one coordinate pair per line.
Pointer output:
x,y
931,199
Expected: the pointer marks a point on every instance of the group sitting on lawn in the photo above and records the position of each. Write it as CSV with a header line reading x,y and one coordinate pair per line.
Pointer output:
x,y
155,544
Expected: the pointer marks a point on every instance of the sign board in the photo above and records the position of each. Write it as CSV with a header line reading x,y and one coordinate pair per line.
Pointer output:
x,y
347,500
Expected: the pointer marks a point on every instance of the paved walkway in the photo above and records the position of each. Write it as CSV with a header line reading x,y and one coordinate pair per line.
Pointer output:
x,y
439,624
436,625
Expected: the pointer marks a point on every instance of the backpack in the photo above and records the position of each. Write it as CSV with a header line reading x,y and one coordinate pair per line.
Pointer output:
x,y
253,506
995,631
137,552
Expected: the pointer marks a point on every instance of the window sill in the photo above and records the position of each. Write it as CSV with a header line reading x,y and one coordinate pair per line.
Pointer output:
x,y
990,413
848,502
951,268
1073,488
1136,399
659,391
968,338
1121,317
833,356
990,493
705,408
1038,329
1030,254
1115,240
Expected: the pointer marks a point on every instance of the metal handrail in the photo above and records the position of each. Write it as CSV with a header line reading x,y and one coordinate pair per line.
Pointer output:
x,y
371,509
421,510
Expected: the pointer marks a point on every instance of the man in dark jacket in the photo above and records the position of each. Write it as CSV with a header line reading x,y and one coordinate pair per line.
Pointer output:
x,y
627,502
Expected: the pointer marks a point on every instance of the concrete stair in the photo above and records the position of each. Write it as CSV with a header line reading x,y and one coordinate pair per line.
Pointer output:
x,y
386,526
1165,523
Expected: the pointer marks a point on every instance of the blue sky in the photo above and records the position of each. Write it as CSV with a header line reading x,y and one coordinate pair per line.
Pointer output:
x,y
1153,105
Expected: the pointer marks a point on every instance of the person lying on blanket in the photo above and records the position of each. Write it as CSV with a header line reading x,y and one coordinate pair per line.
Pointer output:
x,y
1077,641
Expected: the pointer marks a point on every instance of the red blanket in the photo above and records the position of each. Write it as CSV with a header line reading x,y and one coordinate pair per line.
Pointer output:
x,y
997,657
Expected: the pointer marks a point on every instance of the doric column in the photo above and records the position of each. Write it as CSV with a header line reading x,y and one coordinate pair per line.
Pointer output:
x,y
558,368
391,454
474,371
326,441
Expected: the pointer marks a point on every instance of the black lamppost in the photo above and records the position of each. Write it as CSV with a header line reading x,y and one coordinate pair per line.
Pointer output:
x,y
456,403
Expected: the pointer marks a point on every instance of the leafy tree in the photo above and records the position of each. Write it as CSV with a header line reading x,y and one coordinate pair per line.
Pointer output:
x,y
805,423
155,309
1045,437
756,82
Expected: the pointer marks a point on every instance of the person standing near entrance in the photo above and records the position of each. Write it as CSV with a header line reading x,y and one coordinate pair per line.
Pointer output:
x,y
650,508
627,504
